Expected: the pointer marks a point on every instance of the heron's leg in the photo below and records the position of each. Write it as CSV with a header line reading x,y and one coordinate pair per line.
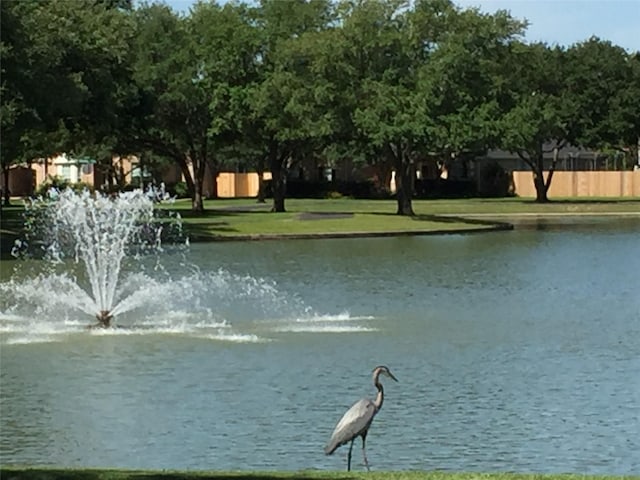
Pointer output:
x,y
349,456
364,453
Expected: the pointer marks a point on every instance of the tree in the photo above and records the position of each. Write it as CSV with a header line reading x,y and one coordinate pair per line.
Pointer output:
x,y
463,80
603,81
420,80
287,101
375,54
537,109
192,73
587,96
72,48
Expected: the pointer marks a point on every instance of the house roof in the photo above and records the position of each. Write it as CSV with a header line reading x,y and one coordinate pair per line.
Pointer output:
x,y
567,150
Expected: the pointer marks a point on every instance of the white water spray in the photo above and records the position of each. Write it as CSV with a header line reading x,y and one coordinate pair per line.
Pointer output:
x,y
97,231
104,261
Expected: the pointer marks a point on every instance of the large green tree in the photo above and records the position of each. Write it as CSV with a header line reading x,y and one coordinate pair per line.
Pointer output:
x,y
586,96
288,101
386,105
63,64
272,83
538,110
421,80
192,73
463,80
603,82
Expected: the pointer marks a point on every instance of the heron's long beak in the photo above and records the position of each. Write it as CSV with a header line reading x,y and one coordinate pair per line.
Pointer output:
x,y
391,375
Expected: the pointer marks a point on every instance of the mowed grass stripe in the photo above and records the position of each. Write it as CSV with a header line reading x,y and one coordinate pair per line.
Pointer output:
x,y
24,473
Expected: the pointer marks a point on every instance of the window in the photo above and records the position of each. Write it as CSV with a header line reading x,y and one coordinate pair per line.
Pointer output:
x,y
65,172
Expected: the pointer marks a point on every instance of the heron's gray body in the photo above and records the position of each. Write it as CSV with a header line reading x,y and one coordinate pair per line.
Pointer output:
x,y
353,423
357,420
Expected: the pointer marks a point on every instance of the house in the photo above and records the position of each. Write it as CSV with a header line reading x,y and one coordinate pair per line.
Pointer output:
x,y
579,172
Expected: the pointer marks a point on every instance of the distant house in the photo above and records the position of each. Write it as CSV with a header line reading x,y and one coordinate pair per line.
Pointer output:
x,y
462,174
70,169
570,158
21,181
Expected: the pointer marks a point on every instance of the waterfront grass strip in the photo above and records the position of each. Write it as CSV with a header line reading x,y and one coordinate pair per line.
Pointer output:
x,y
461,206
17,473
238,218
228,219
235,225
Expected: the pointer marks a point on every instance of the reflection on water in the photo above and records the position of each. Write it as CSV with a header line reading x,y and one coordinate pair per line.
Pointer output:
x,y
515,351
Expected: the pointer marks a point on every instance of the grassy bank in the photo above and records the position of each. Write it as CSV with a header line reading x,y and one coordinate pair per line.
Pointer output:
x,y
244,218
238,218
514,205
91,474
228,224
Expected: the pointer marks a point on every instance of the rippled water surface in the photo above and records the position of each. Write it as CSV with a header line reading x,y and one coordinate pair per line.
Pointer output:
x,y
515,351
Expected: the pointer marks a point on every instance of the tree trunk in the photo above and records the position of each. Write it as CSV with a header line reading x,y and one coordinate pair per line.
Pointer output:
x,y
535,159
121,176
261,198
404,179
538,182
183,162
5,187
262,193
199,168
384,173
278,180
542,186
197,203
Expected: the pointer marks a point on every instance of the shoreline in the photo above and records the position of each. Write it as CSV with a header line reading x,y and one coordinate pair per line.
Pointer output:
x,y
490,222
486,227
79,473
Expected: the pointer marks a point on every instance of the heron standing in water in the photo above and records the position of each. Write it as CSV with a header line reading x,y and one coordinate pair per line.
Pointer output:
x,y
356,422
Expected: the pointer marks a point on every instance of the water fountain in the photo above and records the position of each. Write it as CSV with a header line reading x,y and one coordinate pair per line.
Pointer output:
x,y
119,261
98,232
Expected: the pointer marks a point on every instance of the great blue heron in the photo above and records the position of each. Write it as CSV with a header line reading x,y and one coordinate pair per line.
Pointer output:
x,y
356,422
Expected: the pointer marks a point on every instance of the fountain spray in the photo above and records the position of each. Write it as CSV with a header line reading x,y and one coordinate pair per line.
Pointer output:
x,y
98,231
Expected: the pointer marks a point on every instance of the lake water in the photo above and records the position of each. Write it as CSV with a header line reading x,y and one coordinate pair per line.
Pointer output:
x,y
514,351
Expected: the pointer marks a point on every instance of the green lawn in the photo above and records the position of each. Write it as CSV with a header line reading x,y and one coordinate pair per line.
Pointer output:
x,y
244,218
90,474
500,206
260,224
228,218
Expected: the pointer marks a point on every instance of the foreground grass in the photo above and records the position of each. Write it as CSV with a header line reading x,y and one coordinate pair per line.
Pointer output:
x,y
95,474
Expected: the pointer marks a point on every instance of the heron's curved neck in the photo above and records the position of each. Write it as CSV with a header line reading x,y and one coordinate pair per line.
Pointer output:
x,y
380,397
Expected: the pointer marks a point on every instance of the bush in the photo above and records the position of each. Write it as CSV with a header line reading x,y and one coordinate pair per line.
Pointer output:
x,y
495,181
60,184
181,190
441,188
305,189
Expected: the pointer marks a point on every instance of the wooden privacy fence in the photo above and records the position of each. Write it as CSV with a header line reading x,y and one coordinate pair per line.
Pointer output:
x,y
239,184
564,184
582,184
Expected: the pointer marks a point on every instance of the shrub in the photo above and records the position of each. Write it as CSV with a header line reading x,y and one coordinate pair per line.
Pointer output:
x,y
495,181
60,184
181,190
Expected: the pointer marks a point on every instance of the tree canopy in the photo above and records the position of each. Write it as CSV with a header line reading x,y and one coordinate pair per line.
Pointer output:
x,y
382,82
